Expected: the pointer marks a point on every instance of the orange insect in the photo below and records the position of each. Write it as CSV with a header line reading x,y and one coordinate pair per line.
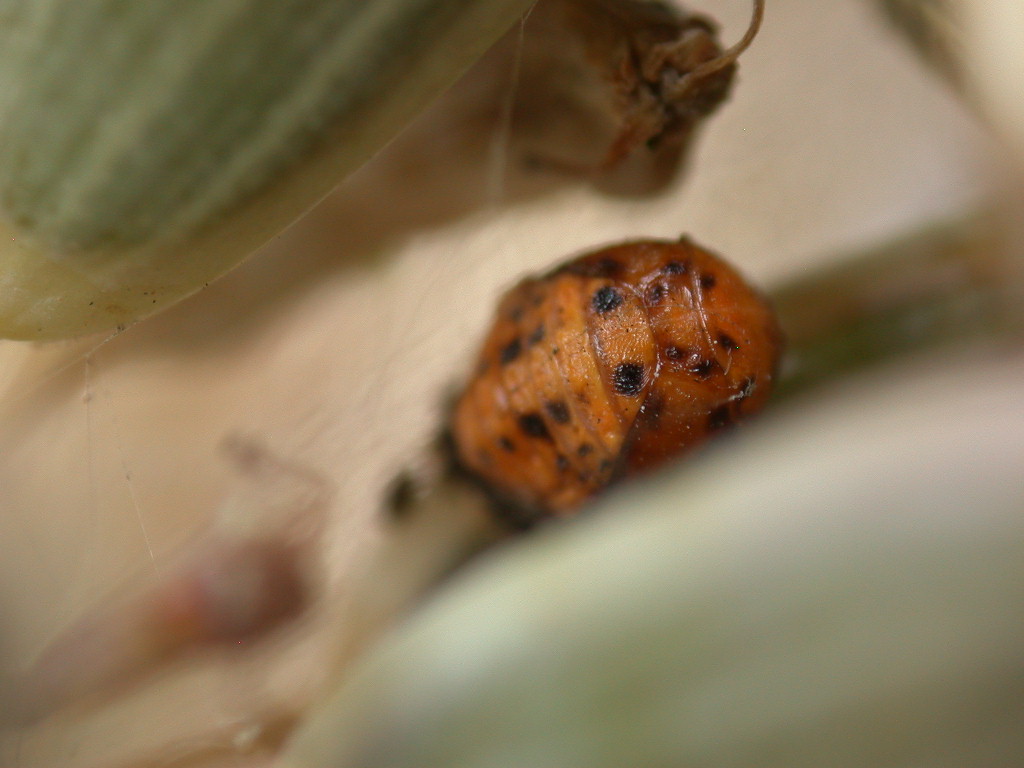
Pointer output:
x,y
610,365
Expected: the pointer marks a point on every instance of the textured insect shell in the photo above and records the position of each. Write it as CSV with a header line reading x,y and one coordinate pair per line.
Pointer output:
x,y
612,364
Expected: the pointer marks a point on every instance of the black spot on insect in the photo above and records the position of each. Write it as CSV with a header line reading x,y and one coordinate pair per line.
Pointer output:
x,y
506,445
707,281
628,378
605,267
516,314
555,350
511,351
533,426
702,367
561,462
656,293
675,268
727,341
557,410
606,464
536,337
719,418
606,299
585,449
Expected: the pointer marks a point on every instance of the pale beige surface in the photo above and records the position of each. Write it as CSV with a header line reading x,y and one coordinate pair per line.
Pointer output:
x,y
336,345
994,65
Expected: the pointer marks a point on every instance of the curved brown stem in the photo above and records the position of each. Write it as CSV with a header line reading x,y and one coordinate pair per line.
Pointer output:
x,y
728,56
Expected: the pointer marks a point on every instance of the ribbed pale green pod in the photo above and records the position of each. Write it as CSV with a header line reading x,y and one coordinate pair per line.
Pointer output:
x,y
842,589
147,147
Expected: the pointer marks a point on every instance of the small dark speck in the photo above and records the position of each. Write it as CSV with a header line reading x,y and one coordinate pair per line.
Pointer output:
x,y
675,268
656,293
516,314
511,351
555,350
585,449
702,368
400,497
558,410
606,299
606,464
91,303
727,341
605,267
537,336
533,425
506,445
707,281
719,418
628,378
561,462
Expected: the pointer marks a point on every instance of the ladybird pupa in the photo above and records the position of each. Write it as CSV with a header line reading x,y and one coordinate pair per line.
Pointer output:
x,y
610,365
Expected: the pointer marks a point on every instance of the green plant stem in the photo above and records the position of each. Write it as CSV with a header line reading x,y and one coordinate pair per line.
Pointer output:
x,y
947,284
